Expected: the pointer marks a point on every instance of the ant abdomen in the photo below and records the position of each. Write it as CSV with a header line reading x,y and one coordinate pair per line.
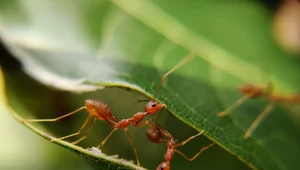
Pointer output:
x,y
98,109
154,135
293,100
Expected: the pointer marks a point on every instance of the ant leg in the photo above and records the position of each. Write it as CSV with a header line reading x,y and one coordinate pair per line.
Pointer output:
x,y
108,136
133,146
258,120
144,123
114,118
188,139
181,63
55,119
87,132
77,133
232,107
195,156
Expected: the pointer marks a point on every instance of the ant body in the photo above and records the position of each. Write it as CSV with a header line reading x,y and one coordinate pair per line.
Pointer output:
x,y
100,111
251,91
157,135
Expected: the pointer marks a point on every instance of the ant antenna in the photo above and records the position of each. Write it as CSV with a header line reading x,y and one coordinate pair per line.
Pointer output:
x,y
181,63
143,100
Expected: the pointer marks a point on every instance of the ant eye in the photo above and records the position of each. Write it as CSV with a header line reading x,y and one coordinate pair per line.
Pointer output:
x,y
152,107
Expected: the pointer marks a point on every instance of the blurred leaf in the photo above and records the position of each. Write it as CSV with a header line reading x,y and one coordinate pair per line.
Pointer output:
x,y
81,45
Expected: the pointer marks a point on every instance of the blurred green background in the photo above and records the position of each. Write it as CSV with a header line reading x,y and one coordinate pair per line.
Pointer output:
x,y
257,31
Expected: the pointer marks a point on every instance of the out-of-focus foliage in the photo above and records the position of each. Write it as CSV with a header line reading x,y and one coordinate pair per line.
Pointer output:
x,y
287,26
83,45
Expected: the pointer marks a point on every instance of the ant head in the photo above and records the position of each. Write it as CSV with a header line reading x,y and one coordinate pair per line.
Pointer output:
x,y
153,107
154,135
163,166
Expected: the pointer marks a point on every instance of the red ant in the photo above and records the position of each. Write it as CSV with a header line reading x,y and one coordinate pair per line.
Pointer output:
x,y
99,110
251,91
157,135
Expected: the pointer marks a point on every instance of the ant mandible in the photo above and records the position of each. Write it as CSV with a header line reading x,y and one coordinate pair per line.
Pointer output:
x,y
100,111
157,134
251,91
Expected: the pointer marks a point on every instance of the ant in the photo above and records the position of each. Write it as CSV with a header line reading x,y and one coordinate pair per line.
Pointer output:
x,y
158,134
252,91
100,111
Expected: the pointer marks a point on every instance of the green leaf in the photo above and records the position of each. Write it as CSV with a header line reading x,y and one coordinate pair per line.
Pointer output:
x,y
131,44
93,155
